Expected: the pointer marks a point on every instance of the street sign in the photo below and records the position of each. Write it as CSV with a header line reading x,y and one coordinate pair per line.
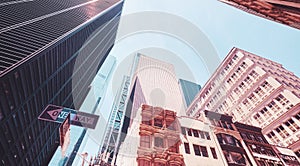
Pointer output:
x,y
58,114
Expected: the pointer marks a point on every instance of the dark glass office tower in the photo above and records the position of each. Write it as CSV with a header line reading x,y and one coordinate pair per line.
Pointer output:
x,y
189,91
49,54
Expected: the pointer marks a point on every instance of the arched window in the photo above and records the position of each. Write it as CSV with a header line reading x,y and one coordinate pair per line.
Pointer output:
x,y
228,140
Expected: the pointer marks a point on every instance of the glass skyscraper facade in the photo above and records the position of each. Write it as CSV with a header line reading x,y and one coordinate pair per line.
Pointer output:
x,y
189,91
50,52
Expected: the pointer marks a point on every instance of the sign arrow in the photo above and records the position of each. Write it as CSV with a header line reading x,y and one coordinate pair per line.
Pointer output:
x,y
54,113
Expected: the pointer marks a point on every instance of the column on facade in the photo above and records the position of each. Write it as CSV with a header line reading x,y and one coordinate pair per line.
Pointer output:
x,y
248,153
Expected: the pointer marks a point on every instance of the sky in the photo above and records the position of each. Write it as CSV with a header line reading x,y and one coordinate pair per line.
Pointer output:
x,y
195,35
224,25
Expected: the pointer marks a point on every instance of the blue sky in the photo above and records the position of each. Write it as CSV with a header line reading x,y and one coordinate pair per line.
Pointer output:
x,y
226,27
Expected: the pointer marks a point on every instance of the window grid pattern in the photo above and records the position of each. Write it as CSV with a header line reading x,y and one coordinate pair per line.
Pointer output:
x,y
46,79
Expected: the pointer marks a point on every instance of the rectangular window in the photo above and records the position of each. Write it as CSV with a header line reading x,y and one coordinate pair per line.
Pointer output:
x,y
238,70
297,116
204,151
223,124
252,98
207,135
273,106
202,134
244,135
212,121
282,132
273,137
229,126
248,80
292,125
146,122
260,139
246,103
145,141
196,134
266,85
229,81
259,92
172,144
197,150
144,163
190,132
253,74
213,152
187,148
158,122
233,76
242,85
265,112
183,131
159,142
235,57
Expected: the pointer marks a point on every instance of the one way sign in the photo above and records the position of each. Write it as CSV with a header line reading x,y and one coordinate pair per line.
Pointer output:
x,y
58,114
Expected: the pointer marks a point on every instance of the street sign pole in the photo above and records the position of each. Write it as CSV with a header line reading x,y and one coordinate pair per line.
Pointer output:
x,y
64,134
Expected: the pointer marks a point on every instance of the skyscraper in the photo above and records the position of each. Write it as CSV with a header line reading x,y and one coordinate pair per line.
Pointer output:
x,y
189,91
282,11
150,81
49,53
158,84
255,91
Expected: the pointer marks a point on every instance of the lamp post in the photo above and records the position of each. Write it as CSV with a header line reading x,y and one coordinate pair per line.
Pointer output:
x,y
83,156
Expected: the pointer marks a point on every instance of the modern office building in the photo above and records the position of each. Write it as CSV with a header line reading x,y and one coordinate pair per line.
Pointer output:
x,y
283,11
153,82
255,91
150,81
189,91
158,84
50,52
261,150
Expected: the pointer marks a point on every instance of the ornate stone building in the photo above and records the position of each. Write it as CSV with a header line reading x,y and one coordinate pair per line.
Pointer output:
x,y
283,11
